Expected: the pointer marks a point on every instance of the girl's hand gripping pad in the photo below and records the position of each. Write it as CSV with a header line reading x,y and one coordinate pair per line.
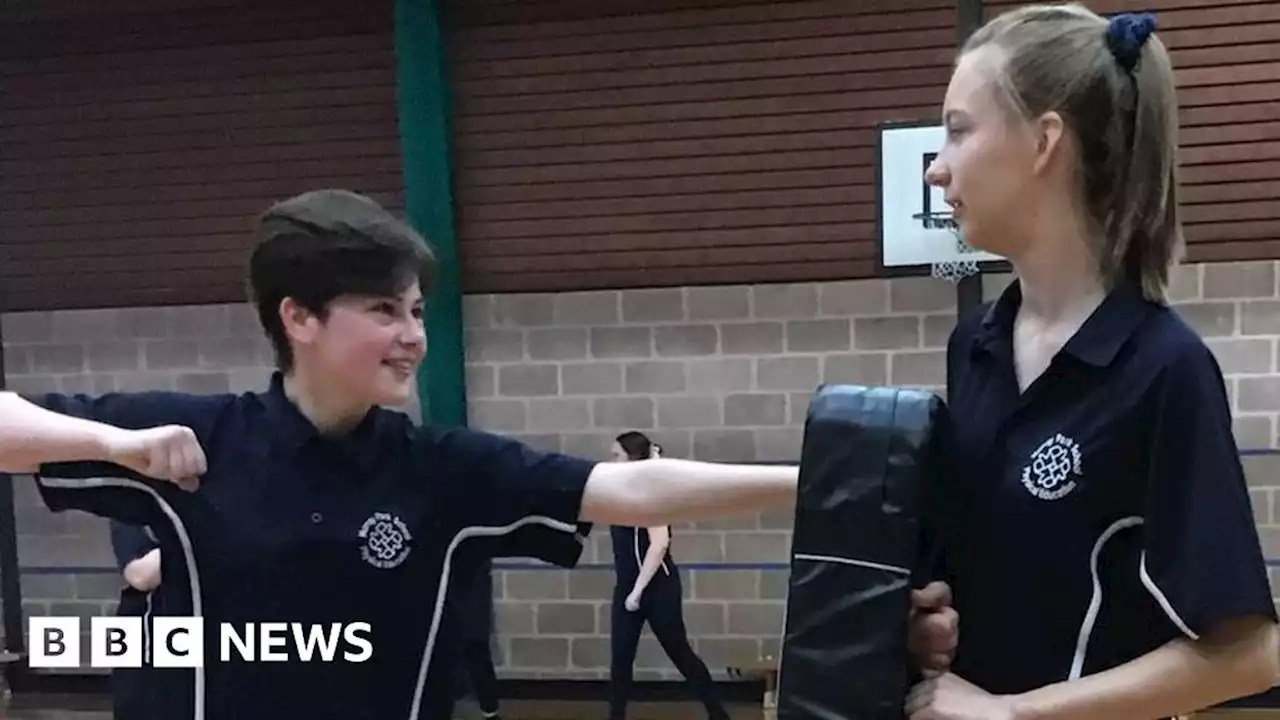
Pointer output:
x,y
857,547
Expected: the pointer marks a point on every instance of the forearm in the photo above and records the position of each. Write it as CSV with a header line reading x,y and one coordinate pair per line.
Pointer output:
x,y
652,561
31,436
1178,678
669,492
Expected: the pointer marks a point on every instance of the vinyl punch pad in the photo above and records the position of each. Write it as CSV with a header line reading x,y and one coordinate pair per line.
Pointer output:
x,y
870,456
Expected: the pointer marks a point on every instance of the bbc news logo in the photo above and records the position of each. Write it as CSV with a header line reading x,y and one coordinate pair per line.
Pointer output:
x,y
179,642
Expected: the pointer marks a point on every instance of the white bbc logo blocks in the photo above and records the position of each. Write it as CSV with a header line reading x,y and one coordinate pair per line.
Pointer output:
x,y
178,642
116,642
55,642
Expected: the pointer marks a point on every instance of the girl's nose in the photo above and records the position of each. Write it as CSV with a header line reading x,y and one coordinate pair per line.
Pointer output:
x,y
936,174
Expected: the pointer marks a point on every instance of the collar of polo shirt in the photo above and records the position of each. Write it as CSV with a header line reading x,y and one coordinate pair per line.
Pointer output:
x,y
1097,341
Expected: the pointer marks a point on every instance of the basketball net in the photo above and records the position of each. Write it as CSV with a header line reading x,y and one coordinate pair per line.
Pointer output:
x,y
950,270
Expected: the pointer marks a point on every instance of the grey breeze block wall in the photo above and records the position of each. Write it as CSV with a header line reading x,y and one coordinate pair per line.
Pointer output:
x,y
713,373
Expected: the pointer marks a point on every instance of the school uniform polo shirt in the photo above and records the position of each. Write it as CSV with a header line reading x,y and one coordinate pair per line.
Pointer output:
x,y
292,527
1103,512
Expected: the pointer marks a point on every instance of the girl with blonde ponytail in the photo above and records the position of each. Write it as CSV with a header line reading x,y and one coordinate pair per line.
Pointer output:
x,y
1100,548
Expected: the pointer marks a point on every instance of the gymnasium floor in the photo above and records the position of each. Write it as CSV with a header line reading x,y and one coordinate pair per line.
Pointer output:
x,y
528,710
57,709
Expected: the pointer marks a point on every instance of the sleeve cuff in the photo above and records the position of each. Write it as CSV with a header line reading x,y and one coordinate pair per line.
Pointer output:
x,y
56,499
566,502
562,541
1194,614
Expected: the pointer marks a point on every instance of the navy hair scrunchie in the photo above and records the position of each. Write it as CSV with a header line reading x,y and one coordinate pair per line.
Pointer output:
x,y
1127,33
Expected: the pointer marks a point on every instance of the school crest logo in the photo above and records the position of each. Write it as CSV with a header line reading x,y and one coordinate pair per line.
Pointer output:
x,y
386,540
1050,473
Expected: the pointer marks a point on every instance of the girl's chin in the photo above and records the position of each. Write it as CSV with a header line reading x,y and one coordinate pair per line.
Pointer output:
x,y
394,387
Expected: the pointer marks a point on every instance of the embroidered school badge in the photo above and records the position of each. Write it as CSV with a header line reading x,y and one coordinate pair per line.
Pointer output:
x,y
386,540
1051,471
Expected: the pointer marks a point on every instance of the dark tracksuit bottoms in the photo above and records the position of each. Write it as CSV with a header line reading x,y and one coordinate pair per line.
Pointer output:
x,y
662,607
476,611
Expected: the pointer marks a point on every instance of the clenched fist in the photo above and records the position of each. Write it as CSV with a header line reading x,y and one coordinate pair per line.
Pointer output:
x,y
169,452
144,573
933,628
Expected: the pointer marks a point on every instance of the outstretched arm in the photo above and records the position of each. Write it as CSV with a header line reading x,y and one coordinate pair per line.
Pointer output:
x,y
659,541
664,491
545,503
31,436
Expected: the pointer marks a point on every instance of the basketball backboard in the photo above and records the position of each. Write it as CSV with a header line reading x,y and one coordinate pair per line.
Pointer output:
x,y
907,244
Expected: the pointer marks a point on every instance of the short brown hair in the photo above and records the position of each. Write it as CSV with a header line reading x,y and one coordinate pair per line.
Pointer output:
x,y
323,244
1120,104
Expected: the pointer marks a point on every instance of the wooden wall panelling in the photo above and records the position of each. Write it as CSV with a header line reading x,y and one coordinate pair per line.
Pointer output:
x,y
712,142
139,142
1226,55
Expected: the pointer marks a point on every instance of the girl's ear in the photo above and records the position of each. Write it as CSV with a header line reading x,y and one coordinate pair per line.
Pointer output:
x,y
1048,129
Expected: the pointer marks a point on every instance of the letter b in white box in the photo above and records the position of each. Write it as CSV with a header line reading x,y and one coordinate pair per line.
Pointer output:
x,y
55,642
116,642
177,642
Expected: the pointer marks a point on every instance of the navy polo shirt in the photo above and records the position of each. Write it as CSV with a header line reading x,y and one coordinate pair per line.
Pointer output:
x,y
290,526
1103,512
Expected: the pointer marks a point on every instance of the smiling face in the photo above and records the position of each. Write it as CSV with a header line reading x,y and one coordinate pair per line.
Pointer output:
x,y
367,349
989,167
338,283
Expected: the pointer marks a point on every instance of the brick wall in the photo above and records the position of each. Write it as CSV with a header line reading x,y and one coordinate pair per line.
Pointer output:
x,y
712,373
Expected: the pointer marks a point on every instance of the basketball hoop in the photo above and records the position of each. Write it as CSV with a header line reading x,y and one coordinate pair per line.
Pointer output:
x,y
950,270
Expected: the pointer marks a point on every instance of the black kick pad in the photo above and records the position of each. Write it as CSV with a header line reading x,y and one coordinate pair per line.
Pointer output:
x,y
857,551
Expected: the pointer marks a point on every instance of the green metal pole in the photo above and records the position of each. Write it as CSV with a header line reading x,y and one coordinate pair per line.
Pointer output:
x,y
422,89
